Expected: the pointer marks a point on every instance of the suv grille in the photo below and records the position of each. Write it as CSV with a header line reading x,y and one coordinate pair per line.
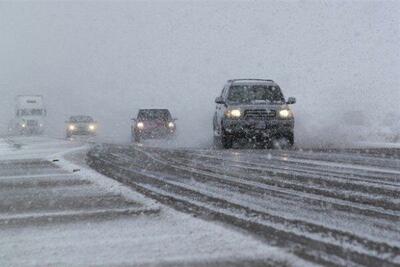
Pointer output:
x,y
32,123
259,114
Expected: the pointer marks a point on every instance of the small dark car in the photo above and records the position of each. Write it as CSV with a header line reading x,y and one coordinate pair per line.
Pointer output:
x,y
253,109
81,125
153,123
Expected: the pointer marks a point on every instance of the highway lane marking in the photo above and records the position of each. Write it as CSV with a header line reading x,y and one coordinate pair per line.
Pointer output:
x,y
80,213
315,172
47,175
309,174
315,162
164,191
342,165
290,192
285,228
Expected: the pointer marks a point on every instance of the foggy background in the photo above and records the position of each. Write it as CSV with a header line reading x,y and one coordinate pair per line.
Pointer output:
x,y
108,59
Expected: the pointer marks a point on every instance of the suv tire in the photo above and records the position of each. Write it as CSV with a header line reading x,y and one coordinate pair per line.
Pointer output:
x,y
136,138
217,142
290,138
226,141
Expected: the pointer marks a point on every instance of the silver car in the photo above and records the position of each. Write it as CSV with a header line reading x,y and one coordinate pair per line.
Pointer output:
x,y
252,109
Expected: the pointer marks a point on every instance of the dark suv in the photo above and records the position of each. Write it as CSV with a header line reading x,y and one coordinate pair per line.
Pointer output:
x,y
253,109
153,123
81,125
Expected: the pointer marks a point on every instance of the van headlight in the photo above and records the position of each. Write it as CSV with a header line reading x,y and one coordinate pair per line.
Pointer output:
x,y
285,113
233,113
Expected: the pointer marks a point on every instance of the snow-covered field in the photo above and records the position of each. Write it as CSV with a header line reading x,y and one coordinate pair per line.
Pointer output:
x,y
63,213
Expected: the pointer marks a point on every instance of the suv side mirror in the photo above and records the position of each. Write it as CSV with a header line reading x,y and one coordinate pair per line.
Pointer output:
x,y
219,100
291,100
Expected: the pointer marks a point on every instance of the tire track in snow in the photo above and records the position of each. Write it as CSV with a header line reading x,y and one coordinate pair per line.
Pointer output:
x,y
364,252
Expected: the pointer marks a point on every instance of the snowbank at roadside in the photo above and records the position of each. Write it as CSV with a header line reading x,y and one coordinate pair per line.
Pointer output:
x,y
33,147
378,145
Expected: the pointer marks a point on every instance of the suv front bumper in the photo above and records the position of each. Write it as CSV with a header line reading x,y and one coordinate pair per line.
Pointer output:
x,y
264,128
81,132
154,133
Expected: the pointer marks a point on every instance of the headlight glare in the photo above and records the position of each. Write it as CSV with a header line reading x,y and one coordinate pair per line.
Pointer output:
x,y
92,127
71,127
140,125
171,125
285,113
234,113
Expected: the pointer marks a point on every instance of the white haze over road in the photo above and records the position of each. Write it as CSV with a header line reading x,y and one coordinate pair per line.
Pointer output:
x,y
108,59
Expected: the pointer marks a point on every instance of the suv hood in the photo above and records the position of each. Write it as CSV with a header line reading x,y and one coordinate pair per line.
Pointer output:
x,y
258,106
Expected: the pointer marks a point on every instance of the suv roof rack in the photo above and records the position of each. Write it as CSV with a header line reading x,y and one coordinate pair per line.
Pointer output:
x,y
264,80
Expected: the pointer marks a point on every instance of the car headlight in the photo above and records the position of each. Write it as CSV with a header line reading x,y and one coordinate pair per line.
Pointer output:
x,y
140,125
71,127
92,127
285,113
23,125
233,113
171,125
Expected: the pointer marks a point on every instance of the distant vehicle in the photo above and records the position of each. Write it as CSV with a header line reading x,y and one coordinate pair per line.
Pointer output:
x,y
389,128
153,123
30,114
253,109
356,126
81,125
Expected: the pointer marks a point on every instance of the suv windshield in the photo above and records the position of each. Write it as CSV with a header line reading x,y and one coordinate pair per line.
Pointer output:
x,y
254,93
154,114
81,119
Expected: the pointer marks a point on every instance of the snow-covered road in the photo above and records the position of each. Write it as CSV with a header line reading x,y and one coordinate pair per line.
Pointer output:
x,y
56,211
339,208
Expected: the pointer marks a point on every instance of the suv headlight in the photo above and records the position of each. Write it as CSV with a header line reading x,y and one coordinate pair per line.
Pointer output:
x,y
285,113
233,113
140,125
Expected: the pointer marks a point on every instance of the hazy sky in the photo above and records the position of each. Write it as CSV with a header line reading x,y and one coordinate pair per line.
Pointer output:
x,y
110,58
